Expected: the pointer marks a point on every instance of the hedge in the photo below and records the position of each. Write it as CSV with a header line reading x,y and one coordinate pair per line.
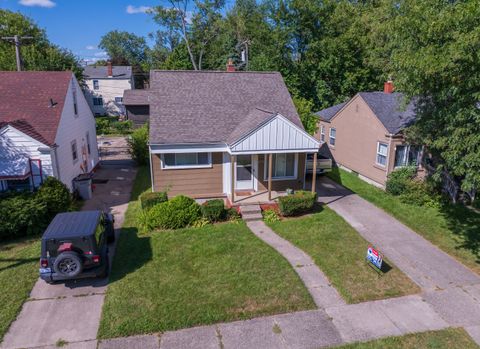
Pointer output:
x,y
148,200
301,201
214,210
180,212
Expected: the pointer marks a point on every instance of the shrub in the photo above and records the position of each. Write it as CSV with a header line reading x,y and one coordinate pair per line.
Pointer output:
x,y
122,127
297,203
233,215
22,215
138,145
398,180
148,200
214,210
102,125
420,193
111,125
201,222
270,216
55,195
177,213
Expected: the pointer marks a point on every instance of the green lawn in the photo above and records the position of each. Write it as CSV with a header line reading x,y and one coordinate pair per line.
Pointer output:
x,y
19,262
452,338
175,279
453,228
339,251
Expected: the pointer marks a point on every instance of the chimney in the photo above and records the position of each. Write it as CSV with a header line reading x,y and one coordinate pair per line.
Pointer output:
x,y
230,66
388,87
109,69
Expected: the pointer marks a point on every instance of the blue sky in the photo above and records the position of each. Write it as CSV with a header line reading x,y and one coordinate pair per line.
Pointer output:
x,y
79,24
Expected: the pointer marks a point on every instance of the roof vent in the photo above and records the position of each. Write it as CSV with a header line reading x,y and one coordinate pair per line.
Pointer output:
x,y
52,103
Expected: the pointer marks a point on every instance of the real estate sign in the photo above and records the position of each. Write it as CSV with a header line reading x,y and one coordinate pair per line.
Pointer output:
x,y
374,257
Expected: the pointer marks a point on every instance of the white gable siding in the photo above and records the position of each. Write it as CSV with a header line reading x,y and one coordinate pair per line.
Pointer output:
x,y
72,128
108,90
277,135
14,143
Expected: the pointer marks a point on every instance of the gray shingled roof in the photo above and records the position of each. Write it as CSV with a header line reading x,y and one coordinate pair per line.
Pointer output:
x,y
135,97
390,109
214,107
100,72
328,113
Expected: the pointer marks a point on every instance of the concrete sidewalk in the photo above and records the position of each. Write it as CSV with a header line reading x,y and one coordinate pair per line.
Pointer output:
x,y
71,310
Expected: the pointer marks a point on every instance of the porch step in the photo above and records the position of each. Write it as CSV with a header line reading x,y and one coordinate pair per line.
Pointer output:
x,y
251,213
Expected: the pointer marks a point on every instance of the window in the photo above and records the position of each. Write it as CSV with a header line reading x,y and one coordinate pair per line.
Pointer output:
x,y
284,166
119,100
97,101
186,160
74,92
74,151
95,85
322,133
87,138
407,155
382,151
333,134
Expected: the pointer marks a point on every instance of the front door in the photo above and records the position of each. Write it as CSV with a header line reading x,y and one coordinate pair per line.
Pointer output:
x,y
244,172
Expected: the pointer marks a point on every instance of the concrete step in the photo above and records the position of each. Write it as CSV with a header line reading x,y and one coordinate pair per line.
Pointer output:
x,y
250,209
250,217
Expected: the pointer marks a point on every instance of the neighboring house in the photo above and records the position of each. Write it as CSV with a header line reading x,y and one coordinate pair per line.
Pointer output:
x,y
137,106
365,135
46,129
105,86
212,134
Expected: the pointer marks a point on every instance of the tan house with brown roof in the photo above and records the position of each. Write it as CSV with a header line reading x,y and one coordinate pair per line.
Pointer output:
x,y
364,135
213,134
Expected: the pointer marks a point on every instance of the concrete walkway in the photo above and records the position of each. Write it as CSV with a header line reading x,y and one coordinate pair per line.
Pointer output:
x,y
322,292
71,311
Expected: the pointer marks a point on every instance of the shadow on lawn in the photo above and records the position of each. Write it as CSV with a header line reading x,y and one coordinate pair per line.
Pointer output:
x,y
133,252
17,262
465,224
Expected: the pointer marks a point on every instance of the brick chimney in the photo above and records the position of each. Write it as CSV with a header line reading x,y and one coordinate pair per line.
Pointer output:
x,y
388,87
109,69
230,66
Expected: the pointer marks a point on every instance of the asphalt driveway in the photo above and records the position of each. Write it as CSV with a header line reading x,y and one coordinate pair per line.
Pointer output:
x,y
71,311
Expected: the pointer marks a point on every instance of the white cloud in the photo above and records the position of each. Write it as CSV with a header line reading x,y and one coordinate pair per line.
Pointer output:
x,y
137,9
100,54
91,47
40,3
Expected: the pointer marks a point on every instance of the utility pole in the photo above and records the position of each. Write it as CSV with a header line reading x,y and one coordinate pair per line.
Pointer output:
x,y
17,41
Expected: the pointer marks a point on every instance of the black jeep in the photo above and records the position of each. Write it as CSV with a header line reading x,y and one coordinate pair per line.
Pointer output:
x,y
75,246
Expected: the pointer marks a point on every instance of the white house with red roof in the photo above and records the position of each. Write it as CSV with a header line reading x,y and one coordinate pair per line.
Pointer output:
x,y
46,129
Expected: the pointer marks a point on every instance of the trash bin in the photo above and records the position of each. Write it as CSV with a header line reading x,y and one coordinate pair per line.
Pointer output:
x,y
83,184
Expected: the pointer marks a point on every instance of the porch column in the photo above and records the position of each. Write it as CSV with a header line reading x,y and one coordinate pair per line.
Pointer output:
x,y
232,172
314,172
269,177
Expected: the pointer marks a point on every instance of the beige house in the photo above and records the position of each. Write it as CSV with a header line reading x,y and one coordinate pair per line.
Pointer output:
x,y
234,135
364,135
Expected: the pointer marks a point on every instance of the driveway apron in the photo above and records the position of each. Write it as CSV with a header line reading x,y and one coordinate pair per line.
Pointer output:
x,y
70,311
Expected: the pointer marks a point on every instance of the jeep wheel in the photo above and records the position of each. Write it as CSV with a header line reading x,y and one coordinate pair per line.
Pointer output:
x,y
68,264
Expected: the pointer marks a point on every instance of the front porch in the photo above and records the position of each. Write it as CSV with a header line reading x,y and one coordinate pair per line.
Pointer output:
x,y
257,198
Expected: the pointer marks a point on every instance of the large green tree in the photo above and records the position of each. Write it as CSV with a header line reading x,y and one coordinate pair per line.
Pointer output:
x,y
38,53
126,48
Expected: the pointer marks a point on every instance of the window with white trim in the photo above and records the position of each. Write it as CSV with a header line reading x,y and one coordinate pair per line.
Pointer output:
x,y
95,85
119,100
407,155
333,135
382,151
186,160
284,166
97,101
73,146
322,133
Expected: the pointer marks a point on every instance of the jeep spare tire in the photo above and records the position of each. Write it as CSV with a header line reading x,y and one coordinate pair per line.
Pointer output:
x,y
68,264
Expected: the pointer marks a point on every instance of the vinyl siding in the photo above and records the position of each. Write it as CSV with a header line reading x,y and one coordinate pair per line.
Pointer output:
x,y
197,182
108,90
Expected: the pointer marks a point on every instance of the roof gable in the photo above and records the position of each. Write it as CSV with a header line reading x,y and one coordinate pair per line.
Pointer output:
x,y
275,134
208,107
25,102
328,113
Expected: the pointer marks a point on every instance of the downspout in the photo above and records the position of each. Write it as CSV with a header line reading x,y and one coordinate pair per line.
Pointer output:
x,y
387,172
57,168
150,161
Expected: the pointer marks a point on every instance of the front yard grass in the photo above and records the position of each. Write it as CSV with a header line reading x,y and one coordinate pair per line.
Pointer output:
x,y
168,280
339,251
19,262
452,338
453,228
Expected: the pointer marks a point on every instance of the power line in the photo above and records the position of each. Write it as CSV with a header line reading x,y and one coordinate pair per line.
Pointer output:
x,y
17,41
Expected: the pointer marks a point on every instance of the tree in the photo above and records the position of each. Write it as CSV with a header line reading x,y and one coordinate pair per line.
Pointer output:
x,y
435,59
126,48
196,27
37,53
304,109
